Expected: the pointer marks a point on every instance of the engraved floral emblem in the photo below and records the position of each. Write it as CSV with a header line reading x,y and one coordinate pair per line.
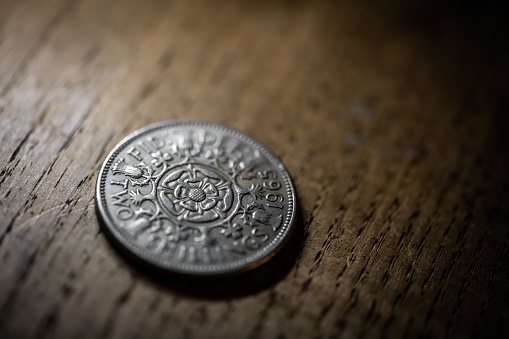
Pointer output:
x,y
195,193
195,197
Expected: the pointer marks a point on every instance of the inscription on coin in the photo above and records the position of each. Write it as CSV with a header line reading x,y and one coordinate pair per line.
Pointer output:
x,y
195,197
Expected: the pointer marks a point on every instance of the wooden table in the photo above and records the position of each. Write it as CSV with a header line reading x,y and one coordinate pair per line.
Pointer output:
x,y
391,120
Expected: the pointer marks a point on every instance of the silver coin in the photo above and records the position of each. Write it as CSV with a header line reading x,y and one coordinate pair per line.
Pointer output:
x,y
195,197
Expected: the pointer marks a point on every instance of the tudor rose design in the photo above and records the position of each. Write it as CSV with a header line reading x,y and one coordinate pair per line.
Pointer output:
x,y
195,197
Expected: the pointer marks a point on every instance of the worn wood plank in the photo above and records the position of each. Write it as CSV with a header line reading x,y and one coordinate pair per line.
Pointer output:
x,y
390,119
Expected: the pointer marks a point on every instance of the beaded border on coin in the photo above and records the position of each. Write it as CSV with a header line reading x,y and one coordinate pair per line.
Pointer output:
x,y
184,210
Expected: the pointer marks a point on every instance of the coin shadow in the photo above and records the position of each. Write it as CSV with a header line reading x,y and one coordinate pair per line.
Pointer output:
x,y
233,286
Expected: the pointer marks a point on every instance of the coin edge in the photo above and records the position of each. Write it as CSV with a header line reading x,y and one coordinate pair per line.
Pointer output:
x,y
131,249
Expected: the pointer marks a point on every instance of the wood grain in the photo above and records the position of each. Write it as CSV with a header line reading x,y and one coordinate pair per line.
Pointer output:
x,y
390,119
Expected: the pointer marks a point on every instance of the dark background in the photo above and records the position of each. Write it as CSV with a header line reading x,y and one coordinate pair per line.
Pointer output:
x,y
391,118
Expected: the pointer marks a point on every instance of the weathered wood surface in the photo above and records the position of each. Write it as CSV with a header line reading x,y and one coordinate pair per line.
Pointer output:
x,y
391,121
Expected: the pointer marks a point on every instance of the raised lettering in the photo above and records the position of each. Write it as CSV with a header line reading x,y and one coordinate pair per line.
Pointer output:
x,y
125,213
181,253
120,183
133,151
156,142
119,200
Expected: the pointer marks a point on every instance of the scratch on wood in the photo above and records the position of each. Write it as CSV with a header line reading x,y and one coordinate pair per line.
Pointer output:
x,y
76,128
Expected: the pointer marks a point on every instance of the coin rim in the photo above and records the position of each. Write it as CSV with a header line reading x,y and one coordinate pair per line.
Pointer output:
x,y
134,251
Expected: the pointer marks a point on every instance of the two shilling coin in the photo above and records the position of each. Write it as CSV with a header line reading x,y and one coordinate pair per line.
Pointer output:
x,y
196,198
